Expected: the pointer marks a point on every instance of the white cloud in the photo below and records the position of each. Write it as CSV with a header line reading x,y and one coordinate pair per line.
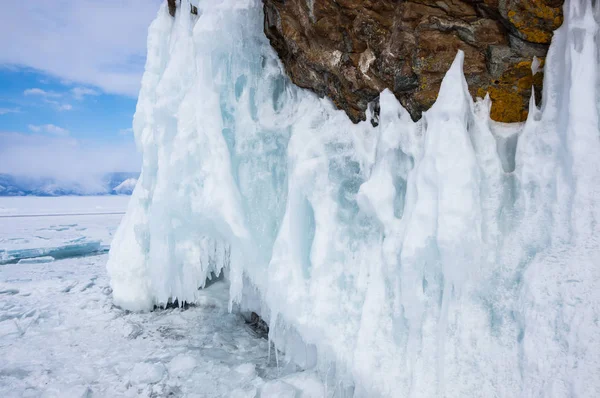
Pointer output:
x,y
41,93
99,43
49,128
47,97
126,131
5,111
59,106
80,92
64,158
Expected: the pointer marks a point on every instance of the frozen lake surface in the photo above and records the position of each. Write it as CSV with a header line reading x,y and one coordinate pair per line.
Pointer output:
x,y
57,226
61,336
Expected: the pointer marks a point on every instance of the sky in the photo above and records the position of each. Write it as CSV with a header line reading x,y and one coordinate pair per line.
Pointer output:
x,y
70,73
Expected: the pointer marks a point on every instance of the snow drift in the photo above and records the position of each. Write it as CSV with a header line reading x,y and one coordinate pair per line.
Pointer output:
x,y
453,256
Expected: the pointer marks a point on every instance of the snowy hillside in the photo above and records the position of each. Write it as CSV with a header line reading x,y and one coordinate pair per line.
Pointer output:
x,y
404,260
11,185
126,187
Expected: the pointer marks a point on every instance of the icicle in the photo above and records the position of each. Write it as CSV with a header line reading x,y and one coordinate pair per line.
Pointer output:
x,y
277,359
534,112
535,65
269,349
393,250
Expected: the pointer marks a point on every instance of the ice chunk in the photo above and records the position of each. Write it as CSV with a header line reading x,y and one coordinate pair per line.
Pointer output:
x,y
244,393
182,365
147,373
278,389
246,370
81,248
36,260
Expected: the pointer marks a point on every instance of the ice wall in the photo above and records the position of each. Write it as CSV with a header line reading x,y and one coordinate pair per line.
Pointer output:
x,y
450,257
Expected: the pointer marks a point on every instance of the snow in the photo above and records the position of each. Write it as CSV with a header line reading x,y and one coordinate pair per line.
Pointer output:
x,y
126,187
57,227
62,205
449,257
86,184
61,336
59,333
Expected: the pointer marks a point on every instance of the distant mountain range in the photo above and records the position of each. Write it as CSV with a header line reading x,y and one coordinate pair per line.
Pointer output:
x,y
119,183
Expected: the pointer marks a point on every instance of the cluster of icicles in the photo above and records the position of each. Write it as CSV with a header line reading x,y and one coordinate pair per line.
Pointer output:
x,y
449,257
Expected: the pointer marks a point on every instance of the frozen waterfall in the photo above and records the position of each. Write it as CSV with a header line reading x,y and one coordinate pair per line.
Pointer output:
x,y
449,257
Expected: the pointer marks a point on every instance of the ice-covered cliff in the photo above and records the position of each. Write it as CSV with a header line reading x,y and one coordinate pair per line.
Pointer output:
x,y
449,257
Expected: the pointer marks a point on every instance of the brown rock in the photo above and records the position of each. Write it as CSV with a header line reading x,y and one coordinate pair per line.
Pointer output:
x,y
172,7
350,50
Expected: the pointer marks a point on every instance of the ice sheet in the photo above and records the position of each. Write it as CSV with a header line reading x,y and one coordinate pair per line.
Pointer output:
x,y
57,226
60,336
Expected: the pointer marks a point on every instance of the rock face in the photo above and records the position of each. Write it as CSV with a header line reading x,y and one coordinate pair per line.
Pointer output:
x,y
350,50
172,7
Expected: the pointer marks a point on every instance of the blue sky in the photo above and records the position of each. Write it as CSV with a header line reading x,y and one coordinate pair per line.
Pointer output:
x,y
69,78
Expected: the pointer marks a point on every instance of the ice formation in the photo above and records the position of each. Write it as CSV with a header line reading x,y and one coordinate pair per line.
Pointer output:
x,y
75,249
449,257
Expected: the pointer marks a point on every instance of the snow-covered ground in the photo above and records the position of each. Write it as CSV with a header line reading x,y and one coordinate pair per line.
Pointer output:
x,y
57,226
61,336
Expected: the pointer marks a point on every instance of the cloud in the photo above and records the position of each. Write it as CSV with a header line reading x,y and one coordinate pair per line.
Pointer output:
x,y
49,128
47,97
58,106
126,131
99,43
80,92
41,93
64,158
5,111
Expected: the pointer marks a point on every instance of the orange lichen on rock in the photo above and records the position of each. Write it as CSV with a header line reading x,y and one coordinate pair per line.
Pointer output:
x,y
510,93
535,20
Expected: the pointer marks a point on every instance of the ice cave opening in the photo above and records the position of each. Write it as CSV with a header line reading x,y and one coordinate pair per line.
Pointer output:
x,y
451,257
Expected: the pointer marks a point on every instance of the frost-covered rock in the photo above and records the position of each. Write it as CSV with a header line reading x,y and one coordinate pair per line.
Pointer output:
x,y
449,257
